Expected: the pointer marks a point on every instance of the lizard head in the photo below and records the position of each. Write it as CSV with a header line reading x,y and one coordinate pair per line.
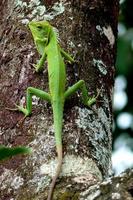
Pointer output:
x,y
41,33
40,30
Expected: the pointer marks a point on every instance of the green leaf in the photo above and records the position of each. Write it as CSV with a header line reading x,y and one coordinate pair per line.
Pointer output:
x,y
8,152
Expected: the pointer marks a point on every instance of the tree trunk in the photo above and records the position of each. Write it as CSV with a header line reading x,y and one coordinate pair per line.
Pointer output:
x,y
87,30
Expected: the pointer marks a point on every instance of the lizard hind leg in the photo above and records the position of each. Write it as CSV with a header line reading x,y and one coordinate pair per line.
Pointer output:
x,y
80,85
67,56
30,92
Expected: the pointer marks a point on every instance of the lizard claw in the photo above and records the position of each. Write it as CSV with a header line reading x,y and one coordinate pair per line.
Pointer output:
x,y
23,110
93,99
35,67
19,108
12,109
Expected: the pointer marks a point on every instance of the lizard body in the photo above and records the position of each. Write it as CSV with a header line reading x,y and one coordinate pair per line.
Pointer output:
x,y
46,41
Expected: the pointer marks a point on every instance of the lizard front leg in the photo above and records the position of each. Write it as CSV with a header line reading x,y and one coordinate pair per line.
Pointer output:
x,y
39,66
66,55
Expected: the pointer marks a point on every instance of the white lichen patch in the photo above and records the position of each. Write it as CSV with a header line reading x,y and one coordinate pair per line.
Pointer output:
x,y
24,69
20,3
100,136
35,100
58,7
92,124
116,196
42,142
1,131
22,74
41,146
71,44
106,182
87,178
83,168
22,101
41,149
82,119
34,3
17,182
117,185
91,193
98,27
100,65
24,21
39,182
94,195
37,10
11,180
109,34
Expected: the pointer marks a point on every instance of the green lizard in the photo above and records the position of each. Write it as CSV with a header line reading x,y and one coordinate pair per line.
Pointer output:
x,y
46,40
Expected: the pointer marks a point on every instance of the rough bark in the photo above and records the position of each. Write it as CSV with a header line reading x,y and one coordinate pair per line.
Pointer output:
x,y
119,187
87,30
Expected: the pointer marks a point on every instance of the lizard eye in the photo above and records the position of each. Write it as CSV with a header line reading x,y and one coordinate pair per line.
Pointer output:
x,y
39,27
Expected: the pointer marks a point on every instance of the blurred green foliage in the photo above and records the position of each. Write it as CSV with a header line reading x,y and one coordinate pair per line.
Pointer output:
x,y
124,62
8,152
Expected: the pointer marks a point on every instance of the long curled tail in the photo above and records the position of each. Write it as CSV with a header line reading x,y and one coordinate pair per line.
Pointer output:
x,y
58,170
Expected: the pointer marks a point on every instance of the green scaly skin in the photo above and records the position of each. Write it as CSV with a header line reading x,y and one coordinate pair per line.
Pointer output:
x,y
46,41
